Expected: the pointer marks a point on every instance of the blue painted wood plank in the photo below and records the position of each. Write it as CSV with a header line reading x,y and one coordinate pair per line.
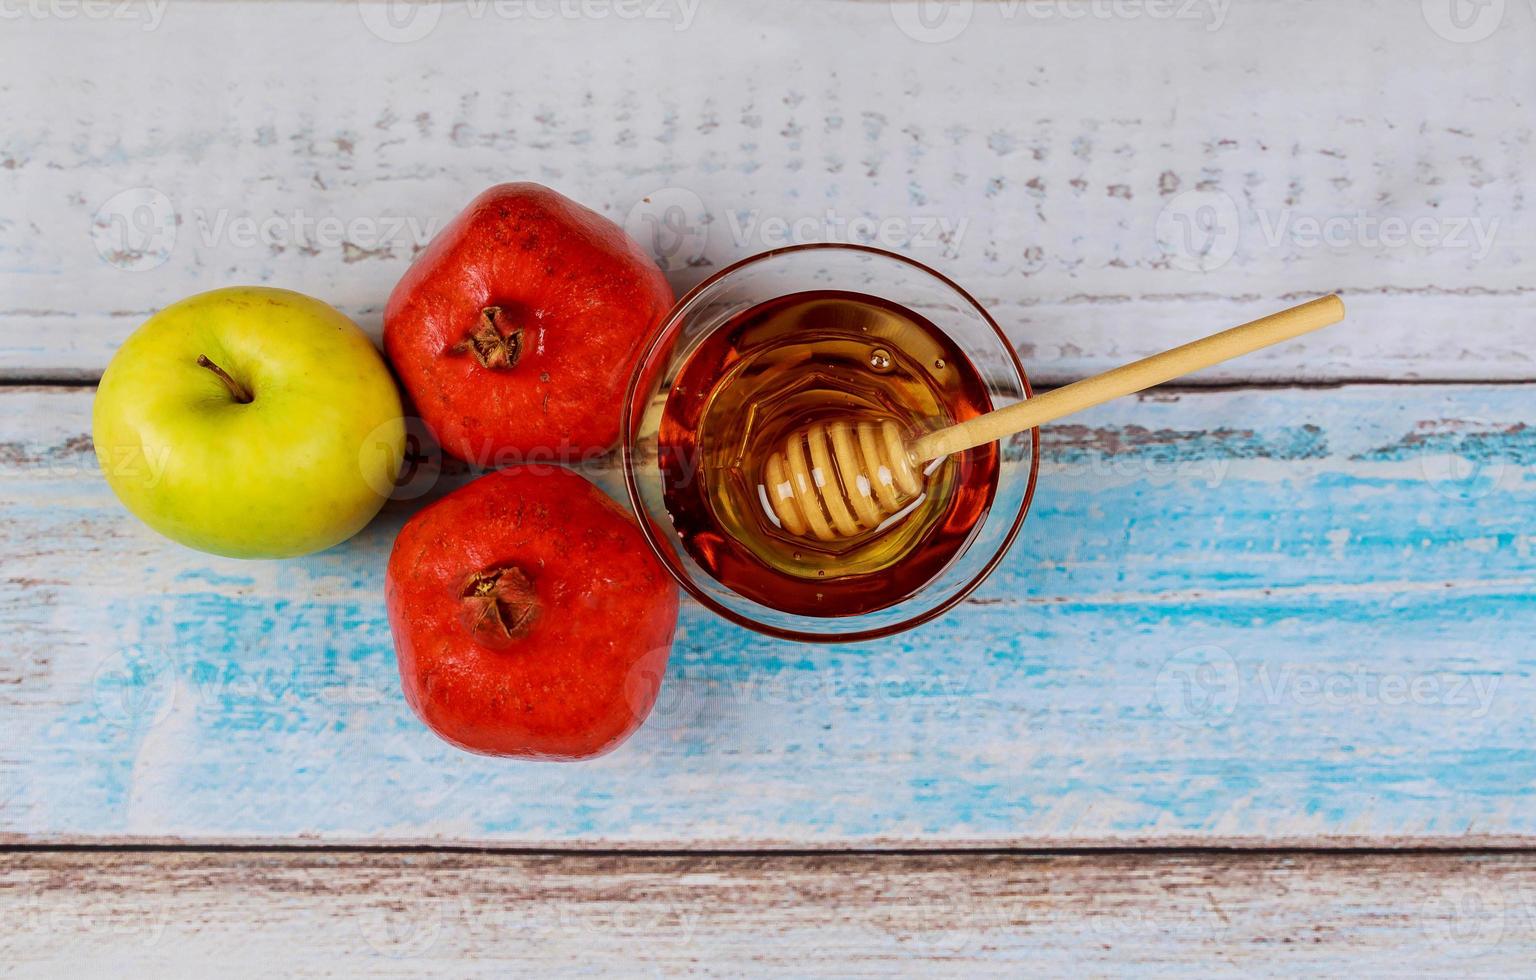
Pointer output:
x,y
1263,615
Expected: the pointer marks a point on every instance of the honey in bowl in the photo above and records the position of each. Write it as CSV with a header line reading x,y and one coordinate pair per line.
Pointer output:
x,y
783,365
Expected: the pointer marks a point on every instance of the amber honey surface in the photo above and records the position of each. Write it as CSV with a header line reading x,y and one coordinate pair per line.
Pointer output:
x,y
783,365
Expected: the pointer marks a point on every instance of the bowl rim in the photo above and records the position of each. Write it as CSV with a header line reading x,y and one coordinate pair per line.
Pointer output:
x,y
664,553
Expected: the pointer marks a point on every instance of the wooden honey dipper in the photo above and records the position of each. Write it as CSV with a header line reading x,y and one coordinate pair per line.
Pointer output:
x,y
837,479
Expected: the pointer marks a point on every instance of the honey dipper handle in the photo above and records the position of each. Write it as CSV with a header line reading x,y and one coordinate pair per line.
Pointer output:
x,y
1130,378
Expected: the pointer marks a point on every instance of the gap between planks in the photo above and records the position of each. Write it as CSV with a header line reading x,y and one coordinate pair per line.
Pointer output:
x,y
1408,847
1193,845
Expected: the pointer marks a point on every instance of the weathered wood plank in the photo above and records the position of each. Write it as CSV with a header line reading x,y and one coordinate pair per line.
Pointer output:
x,y
1264,615
185,914
1108,178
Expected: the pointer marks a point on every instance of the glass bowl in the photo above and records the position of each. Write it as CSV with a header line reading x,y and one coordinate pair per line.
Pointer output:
x,y
711,305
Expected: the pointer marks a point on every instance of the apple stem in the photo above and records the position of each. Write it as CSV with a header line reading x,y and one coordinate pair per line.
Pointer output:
x,y
241,392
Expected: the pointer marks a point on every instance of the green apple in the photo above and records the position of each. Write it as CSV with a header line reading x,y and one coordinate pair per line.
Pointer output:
x,y
250,422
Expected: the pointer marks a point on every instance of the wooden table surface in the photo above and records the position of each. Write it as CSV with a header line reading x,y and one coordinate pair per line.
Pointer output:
x,y
1255,690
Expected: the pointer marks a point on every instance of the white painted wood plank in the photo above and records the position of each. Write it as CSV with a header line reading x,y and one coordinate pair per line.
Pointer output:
x,y
1110,184
321,914
1265,615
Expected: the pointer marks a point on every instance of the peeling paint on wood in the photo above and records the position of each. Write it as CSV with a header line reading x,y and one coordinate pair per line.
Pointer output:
x,y
410,915
1260,615
1106,185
